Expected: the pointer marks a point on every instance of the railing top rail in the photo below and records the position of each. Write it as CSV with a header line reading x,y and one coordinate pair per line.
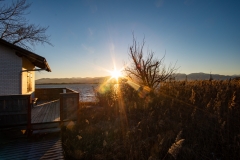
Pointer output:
x,y
51,88
9,97
71,90
57,88
14,95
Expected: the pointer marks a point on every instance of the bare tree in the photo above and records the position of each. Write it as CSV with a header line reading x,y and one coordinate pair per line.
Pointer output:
x,y
147,71
14,27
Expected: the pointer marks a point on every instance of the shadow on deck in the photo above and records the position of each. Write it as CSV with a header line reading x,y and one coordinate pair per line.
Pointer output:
x,y
47,147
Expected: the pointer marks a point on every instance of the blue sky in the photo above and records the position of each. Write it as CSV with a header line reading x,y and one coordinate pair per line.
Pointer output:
x,y
89,36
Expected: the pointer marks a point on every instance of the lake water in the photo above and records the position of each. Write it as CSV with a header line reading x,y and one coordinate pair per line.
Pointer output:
x,y
86,91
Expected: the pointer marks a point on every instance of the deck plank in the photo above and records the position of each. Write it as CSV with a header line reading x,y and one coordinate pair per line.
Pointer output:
x,y
57,112
36,111
46,112
54,112
51,112
47,116
39,115
51,116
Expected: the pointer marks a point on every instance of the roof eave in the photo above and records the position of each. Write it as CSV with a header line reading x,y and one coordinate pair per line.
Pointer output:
x,y
36,59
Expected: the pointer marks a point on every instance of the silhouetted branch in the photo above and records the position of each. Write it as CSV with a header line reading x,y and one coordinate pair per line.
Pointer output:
x,y
149,71
15,29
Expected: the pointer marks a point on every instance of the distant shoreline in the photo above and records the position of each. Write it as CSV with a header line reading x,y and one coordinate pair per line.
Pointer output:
x,y
100,80
63,83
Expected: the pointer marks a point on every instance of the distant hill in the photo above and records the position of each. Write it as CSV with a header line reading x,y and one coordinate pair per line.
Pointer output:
x,y
179,76
71,80
203,76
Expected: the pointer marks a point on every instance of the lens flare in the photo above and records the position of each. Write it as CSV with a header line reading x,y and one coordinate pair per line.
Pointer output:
x,y
116,74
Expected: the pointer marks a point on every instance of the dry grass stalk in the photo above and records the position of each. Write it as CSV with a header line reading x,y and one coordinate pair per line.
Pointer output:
x,y
175,148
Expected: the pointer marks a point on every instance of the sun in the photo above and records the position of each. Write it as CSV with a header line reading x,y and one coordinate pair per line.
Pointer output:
x,y
116,74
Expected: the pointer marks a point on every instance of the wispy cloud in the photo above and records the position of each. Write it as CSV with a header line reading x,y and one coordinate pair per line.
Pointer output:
x,y
111,47
90,31
90,50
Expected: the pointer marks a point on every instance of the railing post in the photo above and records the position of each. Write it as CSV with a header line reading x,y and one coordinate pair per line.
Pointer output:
x,y
61,109
29,127
78,107
69,105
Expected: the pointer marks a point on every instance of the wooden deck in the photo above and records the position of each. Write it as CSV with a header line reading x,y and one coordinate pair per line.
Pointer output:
x,y
25,129
39,145
46,111
49,148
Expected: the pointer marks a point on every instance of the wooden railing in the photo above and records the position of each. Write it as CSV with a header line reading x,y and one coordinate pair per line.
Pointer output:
x,y
69,100
15,110
48,93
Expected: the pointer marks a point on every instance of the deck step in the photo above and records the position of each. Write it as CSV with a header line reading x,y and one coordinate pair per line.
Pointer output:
x,y
46,131
40,126
11,134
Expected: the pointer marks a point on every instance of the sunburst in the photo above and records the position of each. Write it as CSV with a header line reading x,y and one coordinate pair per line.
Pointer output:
x,y
116,74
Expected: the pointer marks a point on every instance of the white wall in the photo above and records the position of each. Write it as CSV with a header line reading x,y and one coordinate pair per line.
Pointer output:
x,y
10,67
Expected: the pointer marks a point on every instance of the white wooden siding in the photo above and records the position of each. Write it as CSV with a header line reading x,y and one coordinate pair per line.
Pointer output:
x,y
10,67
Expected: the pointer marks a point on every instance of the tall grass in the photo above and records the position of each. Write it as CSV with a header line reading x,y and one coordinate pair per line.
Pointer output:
x,y
181,120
